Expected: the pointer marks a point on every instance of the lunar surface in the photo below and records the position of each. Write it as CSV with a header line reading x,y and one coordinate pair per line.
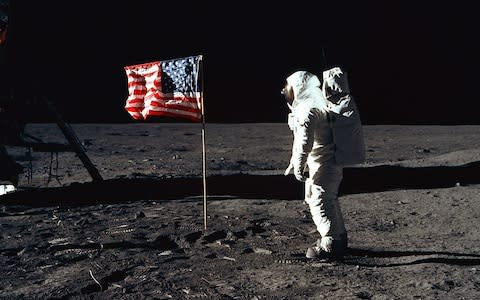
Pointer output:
x,y
411,210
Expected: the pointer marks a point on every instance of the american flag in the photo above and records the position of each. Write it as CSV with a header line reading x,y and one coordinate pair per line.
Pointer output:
x,y
165,88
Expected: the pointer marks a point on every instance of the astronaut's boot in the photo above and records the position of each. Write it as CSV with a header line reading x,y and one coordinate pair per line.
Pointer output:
x,y
328,248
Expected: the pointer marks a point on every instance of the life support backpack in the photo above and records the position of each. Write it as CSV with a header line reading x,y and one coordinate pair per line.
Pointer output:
x,y
346,123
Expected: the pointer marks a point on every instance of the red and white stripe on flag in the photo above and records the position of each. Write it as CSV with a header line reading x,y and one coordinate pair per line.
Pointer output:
x,y
165,88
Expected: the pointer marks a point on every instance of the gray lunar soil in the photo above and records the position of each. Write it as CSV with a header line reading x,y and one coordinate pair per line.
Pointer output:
x,y
411,210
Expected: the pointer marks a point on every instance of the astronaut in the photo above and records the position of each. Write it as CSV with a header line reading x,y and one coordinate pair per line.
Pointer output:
x,y
313,160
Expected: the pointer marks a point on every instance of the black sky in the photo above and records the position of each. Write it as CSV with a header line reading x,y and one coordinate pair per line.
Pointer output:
x,y
408,62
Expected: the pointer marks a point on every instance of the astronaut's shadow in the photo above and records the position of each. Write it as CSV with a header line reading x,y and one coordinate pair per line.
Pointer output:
x,y
385,258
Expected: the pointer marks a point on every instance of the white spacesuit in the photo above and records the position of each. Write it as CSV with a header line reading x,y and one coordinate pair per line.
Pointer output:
x,y
313,151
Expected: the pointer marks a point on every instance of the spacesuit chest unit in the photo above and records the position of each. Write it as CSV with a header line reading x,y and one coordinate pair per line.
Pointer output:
x,y
344,119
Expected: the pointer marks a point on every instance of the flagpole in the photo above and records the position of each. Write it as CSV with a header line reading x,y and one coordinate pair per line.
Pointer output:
x,y
204,158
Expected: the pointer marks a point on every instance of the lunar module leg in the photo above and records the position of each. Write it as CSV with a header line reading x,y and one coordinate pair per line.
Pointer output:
x,y
74,142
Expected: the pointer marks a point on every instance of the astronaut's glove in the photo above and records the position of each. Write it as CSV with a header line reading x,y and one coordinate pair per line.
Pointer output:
x,y
289,169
